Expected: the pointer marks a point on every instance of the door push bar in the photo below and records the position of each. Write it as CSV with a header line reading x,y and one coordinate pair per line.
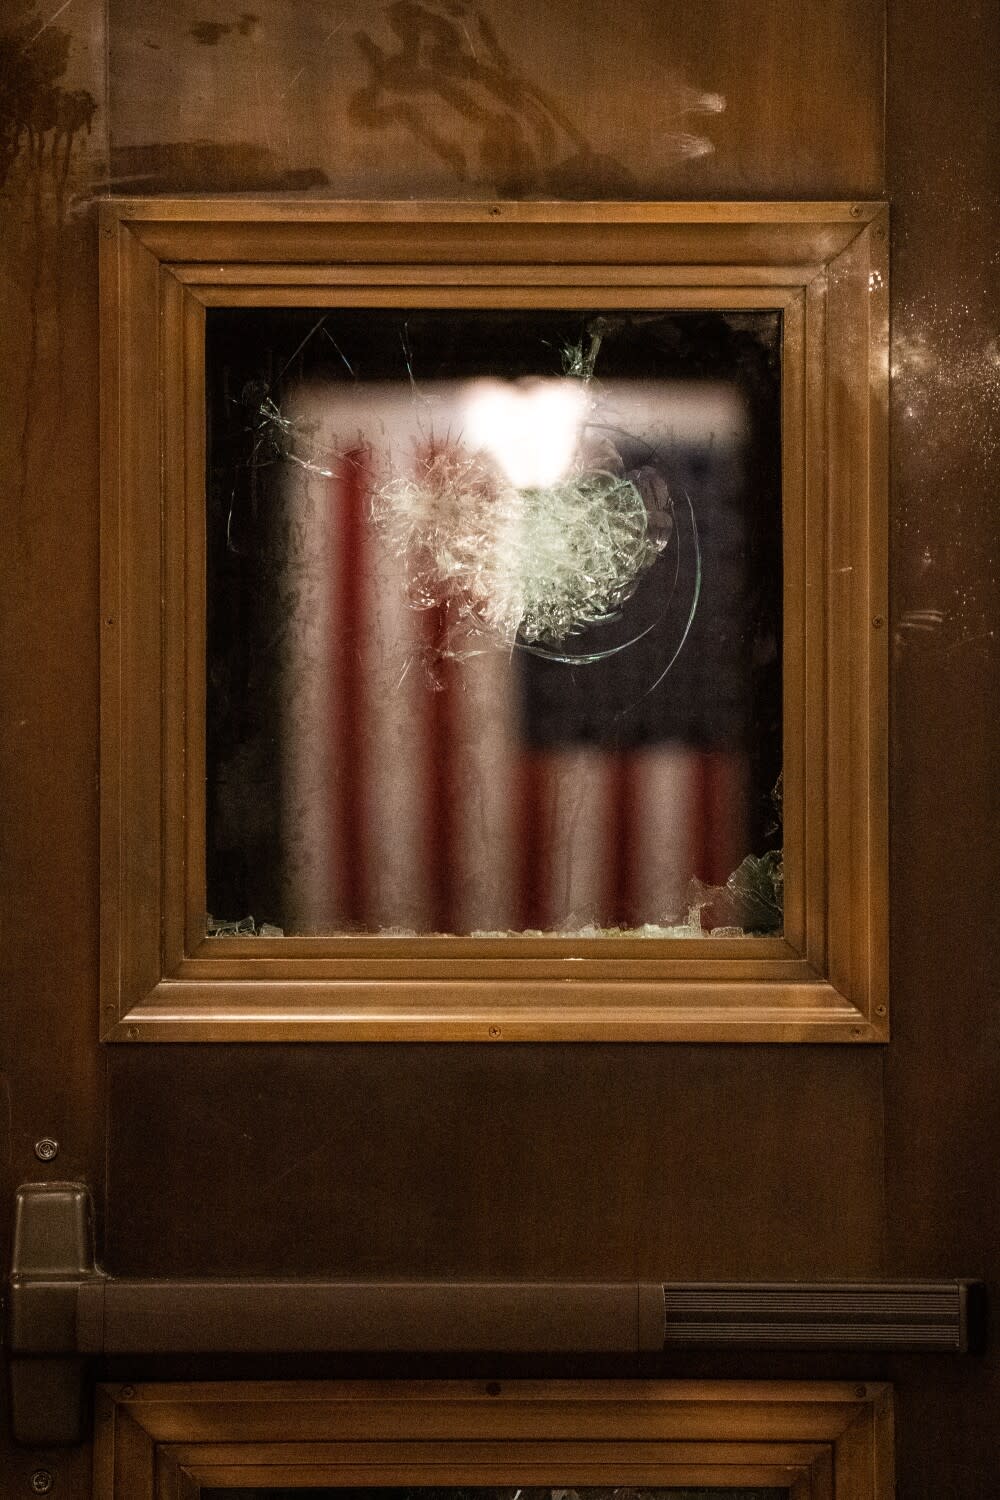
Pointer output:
x,y
62,1309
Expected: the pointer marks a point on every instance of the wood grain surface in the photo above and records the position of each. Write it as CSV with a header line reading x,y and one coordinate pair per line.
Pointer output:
x,y
645,99
694,1160
53,157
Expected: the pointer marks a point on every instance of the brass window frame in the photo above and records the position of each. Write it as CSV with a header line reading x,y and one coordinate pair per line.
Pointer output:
x,y
824,265
175,1442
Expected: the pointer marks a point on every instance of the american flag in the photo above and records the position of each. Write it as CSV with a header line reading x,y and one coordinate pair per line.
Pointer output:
x,y
425,792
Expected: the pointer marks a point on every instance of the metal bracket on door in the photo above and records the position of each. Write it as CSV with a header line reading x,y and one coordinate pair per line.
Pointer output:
x,y
63,1310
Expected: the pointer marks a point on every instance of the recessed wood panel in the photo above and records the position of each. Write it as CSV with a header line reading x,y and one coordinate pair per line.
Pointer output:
x,y
454,1161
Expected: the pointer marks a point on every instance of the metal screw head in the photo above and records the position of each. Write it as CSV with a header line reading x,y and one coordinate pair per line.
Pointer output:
x,y
41,1481
495,1032
46,1149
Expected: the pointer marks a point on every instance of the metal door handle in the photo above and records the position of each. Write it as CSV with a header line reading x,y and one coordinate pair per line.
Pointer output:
x,y
62,1308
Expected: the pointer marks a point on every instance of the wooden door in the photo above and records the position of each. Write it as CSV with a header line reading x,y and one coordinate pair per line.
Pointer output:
x,y
555,1161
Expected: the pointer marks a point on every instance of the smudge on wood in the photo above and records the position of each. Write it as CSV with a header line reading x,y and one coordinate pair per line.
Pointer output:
x,y
210,33
503,129
202,166
35,110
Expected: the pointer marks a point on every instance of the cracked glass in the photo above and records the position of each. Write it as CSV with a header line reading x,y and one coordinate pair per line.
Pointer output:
x,y
493,623
513,1492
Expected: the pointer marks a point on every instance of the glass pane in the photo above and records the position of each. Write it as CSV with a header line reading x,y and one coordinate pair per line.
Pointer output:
x,y
494,622
668,1492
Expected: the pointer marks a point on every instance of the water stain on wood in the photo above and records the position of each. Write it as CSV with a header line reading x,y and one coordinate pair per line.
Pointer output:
x,y
35,110
503,129
210,33
205,167
41,122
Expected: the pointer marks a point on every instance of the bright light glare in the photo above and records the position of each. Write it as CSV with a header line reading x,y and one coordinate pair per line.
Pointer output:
x,y
532,430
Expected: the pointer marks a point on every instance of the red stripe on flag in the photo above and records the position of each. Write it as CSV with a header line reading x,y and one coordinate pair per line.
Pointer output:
x,y
718,815
441,789
621,840
349,492
533,852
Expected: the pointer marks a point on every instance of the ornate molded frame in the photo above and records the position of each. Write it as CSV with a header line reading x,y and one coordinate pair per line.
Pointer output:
x,y
174,1442
824,266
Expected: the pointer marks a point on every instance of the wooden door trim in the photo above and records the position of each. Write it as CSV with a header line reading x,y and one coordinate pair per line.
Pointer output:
x,y
824,267
170,1442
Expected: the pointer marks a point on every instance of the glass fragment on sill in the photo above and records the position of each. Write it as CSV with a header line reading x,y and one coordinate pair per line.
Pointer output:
x,y
748,904
246,927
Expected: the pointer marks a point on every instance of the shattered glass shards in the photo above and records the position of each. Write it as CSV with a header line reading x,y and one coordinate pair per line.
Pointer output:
x,y
532,565
545,1492
244,927
750,903
494,622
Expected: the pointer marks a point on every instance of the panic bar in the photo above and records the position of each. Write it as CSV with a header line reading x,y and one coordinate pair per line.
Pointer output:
x,y
62,1307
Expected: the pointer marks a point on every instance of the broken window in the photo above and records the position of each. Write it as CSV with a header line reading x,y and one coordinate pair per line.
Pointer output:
x,y
514,1492
494,618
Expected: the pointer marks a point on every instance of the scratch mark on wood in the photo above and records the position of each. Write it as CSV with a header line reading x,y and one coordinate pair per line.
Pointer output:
x,y
328,38
46,24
